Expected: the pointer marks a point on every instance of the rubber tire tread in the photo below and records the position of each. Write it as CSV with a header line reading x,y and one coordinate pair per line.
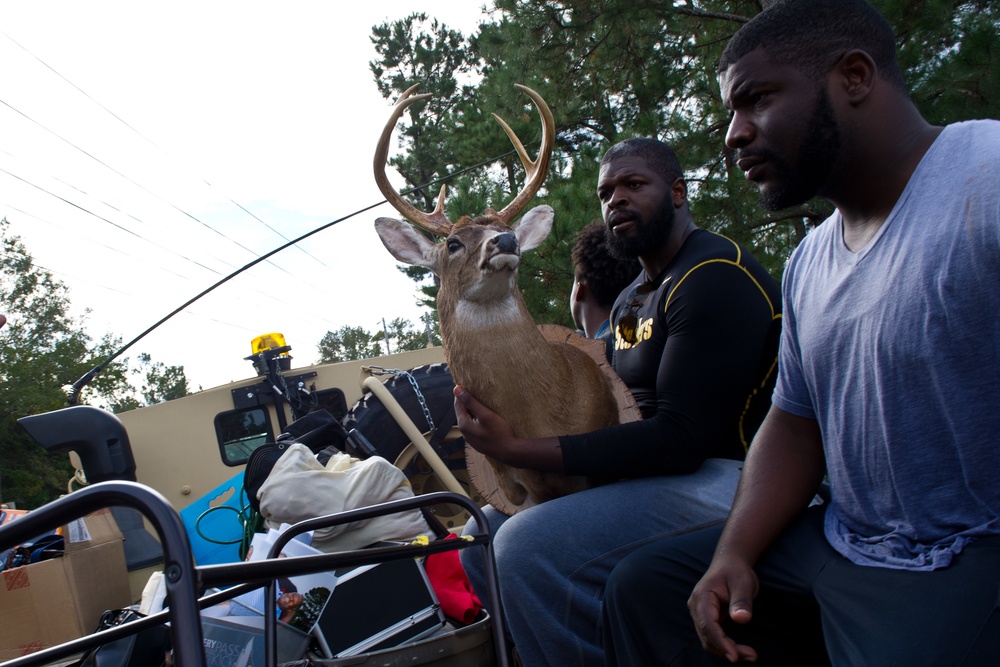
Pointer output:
x,y
373,420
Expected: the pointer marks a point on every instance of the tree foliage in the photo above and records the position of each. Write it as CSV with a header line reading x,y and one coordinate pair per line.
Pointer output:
x,y
611,69
349,343
404,336
42,349
156,383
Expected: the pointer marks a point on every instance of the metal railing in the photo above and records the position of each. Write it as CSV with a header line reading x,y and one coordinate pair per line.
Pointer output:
x,y
185,581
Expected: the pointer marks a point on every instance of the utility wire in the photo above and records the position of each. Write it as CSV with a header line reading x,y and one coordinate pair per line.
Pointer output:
x,y
154,145
185,213
133,182
125,229
110,222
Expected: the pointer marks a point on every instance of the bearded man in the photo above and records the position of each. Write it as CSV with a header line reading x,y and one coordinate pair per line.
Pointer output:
x,y
696,338
888,381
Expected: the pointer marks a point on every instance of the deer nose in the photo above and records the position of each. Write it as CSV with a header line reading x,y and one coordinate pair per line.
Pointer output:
x,y
505,242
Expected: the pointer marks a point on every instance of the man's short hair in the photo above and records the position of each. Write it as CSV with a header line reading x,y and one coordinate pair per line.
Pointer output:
x,y
605,275
813,35
660,157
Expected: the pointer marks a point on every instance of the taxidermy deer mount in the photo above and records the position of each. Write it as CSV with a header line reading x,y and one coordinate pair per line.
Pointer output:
x,y
493,346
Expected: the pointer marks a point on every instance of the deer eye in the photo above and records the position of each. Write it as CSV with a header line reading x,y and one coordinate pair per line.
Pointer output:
x,y
454,245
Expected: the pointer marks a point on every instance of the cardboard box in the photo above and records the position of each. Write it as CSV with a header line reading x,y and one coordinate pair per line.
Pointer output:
x,y
56,600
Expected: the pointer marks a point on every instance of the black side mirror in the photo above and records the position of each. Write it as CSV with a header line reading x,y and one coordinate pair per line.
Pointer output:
x,y
97,436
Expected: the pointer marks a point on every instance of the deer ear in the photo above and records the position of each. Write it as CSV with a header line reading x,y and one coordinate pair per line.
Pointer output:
x,y
534,227
404,242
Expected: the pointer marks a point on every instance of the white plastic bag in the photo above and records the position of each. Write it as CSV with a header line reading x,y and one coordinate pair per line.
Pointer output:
x,y
300,487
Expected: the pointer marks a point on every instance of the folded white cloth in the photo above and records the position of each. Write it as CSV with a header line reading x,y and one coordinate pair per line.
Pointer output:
x,y
300,487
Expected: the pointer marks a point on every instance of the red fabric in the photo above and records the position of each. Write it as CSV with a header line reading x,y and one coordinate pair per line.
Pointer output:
x,y
454,592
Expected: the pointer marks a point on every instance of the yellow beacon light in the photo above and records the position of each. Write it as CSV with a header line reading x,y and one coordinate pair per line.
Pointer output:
x,y
262,345
267,341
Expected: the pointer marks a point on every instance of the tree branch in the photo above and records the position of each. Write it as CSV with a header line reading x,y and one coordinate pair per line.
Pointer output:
x,y
702,14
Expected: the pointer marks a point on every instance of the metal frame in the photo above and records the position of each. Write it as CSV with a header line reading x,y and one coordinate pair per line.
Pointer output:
x,y
184,581
325,562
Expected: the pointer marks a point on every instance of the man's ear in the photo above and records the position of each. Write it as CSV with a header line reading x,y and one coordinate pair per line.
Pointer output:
x,y
679,192
582,290
858,74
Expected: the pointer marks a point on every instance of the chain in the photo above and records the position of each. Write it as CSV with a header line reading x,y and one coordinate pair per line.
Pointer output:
x,y
378,370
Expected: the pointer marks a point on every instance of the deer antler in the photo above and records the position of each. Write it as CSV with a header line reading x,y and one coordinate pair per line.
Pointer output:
x,y
537,169
436,222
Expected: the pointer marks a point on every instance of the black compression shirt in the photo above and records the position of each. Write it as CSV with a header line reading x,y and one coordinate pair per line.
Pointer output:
x,y
701,363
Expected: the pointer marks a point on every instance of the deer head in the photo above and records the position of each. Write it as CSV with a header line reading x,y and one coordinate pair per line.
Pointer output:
x,y
478,259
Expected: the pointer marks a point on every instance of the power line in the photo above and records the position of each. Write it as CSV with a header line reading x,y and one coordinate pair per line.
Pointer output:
x,y
120,174
157,147
110,222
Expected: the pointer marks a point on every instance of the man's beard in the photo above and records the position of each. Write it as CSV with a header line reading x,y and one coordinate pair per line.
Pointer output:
x,y
649,236
799,182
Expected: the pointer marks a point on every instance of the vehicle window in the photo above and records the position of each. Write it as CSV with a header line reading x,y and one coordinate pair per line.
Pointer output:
x,y
241,431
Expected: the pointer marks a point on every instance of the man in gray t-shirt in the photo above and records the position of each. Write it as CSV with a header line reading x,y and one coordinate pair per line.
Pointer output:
x,y
889,380
894,350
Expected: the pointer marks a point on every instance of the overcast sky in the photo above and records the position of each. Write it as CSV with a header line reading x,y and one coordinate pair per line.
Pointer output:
x,y
147,150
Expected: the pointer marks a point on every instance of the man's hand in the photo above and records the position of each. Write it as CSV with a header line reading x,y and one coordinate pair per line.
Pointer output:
x,y
486,431
729,585
490,434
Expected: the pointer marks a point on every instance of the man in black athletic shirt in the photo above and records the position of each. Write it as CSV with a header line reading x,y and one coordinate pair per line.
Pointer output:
x,y
696,338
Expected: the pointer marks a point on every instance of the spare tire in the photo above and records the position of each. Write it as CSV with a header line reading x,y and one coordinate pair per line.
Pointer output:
x,y
370,418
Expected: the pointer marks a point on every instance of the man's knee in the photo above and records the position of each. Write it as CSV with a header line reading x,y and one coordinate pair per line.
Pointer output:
x,y
519,551
629,575
664,572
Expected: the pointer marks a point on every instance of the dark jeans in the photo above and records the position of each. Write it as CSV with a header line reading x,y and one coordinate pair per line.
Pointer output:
x,y
813,602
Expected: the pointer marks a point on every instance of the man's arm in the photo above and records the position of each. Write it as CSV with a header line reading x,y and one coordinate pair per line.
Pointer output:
x,y
720,339
783,470
719,326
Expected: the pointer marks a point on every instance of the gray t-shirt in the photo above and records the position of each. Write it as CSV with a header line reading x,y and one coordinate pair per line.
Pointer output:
x,y
895,351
